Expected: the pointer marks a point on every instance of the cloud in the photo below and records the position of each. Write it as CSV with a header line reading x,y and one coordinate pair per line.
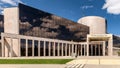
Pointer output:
x,y
11,2
1,9
112,6
3,4
87,6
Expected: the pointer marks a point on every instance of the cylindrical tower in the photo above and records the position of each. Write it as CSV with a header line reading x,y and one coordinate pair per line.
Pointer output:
x,y
97,25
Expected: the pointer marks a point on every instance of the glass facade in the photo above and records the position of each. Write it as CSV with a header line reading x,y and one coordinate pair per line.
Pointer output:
x,y
1,24
34,22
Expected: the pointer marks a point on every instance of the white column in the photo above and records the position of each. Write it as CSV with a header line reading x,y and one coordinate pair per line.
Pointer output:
x,y
103,48
38,48
72,48
49,48
81,49
3,52
44,50
110,46
26,48
65,49
88,45
19,47
69,49
32,47
84,49
7,44
95,49
53,48
58,51
78,50
87,48
62,49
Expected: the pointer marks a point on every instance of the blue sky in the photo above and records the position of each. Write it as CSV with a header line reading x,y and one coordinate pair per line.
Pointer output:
x,y
75,9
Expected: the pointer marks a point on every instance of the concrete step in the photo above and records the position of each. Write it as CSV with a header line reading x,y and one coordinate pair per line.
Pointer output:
x,y
74,65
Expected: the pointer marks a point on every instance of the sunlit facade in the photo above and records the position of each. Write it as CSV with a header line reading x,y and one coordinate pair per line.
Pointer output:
x,y
31,32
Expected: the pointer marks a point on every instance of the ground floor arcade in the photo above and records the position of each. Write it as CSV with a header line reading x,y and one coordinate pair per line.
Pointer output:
x,y
24,46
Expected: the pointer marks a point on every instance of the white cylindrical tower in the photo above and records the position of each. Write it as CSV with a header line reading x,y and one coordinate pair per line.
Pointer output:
x,y
97,25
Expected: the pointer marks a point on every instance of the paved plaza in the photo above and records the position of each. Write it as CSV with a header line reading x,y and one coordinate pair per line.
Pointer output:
x,y
53,66
96,61
76,63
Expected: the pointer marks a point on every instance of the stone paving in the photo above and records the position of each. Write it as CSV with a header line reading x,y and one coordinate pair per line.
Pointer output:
x,y
54,66
96,61
102,66
76,63
32,65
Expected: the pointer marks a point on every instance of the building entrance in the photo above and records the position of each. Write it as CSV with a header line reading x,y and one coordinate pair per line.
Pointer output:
x,y
97,45
96,50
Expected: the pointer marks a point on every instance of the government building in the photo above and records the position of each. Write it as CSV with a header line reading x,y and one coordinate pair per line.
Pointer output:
x,y
29,32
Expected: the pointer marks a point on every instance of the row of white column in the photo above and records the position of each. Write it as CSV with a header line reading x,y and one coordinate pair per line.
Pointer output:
x,y
81,49
54,48
97,48
59,49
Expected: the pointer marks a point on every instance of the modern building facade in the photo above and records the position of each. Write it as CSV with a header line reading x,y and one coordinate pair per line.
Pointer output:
x,y
98,32
32,32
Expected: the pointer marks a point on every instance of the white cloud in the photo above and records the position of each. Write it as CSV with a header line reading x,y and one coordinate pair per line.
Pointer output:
x,y
1,9
87,6
112,6
11,2
3,4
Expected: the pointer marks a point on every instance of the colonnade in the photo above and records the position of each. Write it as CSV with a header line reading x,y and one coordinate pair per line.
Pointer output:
x,y
34,46
97,49
49,48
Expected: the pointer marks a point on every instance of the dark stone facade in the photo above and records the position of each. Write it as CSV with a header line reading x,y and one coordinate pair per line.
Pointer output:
x,y
34,22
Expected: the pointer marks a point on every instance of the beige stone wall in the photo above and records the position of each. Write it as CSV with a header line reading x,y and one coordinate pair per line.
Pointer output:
x,y
97,24
11,25
11,19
